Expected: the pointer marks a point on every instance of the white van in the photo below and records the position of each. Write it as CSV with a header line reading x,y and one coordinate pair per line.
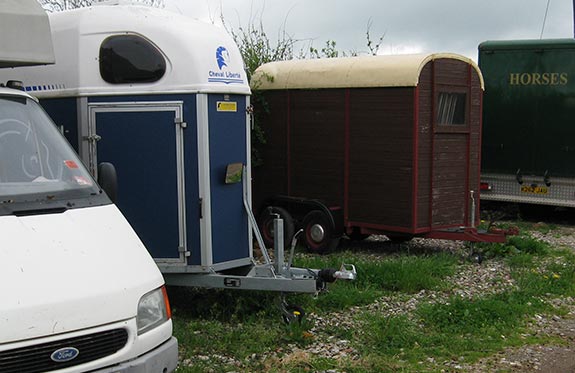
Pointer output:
x,y
80,292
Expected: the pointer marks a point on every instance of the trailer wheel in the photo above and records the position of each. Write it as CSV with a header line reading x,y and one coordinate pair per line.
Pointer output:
x,y
318,232
266,224
293,313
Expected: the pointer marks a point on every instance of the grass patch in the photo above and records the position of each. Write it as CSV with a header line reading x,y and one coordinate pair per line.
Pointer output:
x,y
554,279
460,329
232,330
403,273
515,245
375,278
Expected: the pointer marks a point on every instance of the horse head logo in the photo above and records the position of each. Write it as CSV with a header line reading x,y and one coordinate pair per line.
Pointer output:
x,y
222,56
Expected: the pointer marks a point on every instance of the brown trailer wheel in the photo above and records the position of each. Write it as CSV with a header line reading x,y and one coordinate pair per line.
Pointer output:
x,y
318,232
266,225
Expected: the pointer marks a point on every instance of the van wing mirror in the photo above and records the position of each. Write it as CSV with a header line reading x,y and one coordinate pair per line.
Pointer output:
x,y
108,180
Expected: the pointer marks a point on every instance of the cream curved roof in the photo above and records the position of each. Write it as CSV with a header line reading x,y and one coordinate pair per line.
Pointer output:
x,y
349,72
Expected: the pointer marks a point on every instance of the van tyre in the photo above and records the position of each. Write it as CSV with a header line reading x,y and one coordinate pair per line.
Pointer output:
x,y
266,225
318,232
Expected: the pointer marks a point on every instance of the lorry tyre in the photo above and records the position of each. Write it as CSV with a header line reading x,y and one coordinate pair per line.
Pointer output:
x,y
318,232
266,224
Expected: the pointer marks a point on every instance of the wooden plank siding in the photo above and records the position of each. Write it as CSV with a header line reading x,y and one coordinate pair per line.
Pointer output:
x,y
424,146
388,138
270,177
380,164
454,147
317,128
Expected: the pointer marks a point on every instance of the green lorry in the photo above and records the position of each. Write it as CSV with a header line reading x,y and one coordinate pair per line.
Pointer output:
x,y
528,151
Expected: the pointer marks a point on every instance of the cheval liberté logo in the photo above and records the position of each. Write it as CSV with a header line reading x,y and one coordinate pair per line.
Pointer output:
x,y
223,75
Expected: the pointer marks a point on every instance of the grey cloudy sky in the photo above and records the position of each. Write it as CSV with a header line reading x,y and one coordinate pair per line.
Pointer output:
x,y
410,26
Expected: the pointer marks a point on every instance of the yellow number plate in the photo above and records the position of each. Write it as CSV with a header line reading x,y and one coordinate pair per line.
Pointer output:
x,y
534,189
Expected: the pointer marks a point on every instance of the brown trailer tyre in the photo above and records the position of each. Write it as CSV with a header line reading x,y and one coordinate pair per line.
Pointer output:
x,y
318,232
266,225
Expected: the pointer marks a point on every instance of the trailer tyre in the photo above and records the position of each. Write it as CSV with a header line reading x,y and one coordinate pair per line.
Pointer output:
x,y
293,313
318,232
266,224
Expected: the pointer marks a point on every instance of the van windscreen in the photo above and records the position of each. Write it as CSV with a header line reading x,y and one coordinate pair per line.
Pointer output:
x,y
36,162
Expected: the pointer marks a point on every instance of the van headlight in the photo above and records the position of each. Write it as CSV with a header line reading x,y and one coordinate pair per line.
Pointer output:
x,y
153,310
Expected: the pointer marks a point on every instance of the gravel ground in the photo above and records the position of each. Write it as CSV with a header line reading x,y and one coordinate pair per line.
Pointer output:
x,y
471,280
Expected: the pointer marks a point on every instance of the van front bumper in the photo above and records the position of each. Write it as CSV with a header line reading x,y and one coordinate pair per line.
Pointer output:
x,y
163,358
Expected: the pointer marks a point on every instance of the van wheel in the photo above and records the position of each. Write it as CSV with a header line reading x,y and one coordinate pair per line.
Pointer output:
x,y
266,224
318,232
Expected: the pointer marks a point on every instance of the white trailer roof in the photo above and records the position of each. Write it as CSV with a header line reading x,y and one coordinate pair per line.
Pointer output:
x,y
350,72
189,47
24,34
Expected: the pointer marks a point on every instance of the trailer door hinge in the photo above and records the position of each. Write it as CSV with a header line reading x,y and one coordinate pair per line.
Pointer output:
x,y
93,138
181,123
182,250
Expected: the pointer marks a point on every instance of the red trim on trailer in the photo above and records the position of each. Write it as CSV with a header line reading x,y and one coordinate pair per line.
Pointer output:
x,y
379,229
288,143
467,234
479,154
392,228
467,196
346,160
433,134
415,190
454,233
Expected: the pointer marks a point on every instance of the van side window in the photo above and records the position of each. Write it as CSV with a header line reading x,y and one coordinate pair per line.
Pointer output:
x,y
130,59
451,108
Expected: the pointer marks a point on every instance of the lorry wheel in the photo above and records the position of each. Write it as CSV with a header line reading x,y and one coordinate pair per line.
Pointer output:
x,y
318,232
266,224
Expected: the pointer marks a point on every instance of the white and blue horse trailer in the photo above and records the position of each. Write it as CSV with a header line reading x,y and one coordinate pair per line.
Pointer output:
x,y
164,98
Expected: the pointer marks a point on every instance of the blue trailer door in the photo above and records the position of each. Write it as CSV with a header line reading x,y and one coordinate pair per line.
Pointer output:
x,y
144,141
227,145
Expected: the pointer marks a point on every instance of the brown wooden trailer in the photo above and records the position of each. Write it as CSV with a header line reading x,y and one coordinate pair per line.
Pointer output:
x,y
370,145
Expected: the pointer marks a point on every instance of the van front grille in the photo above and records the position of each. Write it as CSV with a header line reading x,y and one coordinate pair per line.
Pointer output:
x,y
38,358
